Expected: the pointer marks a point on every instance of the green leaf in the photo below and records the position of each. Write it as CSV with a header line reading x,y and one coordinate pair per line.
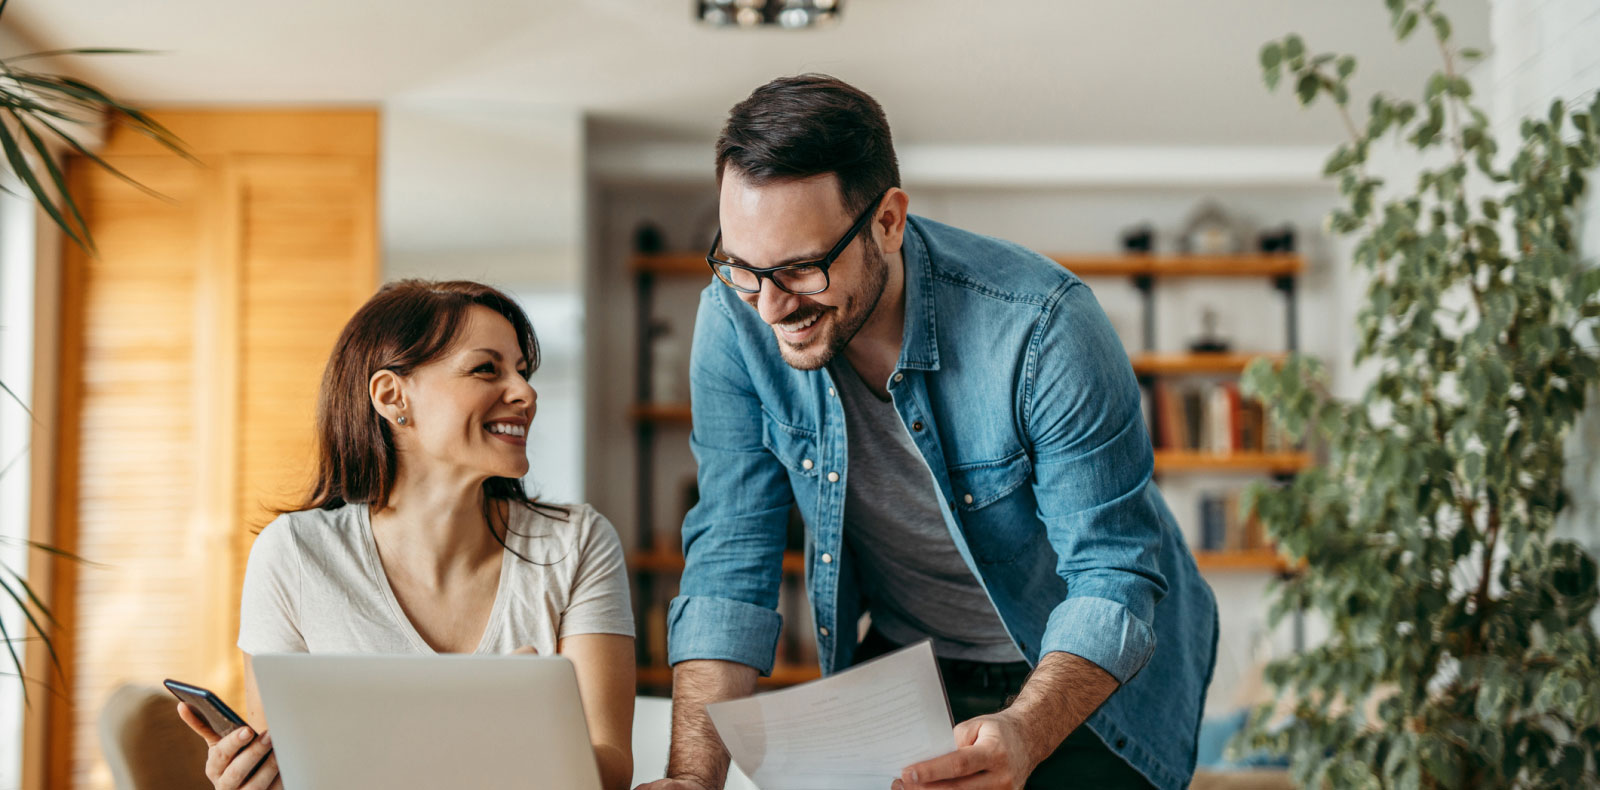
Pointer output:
x,y
1293,47
1441,26
1407,23
1271,56
1306,90
1470,53
23,170
44,155
1347,66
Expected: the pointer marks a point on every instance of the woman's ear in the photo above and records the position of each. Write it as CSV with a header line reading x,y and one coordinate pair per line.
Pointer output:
x,y
387,390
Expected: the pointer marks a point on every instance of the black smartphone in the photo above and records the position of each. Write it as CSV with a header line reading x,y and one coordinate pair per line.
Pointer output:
x,y
208,706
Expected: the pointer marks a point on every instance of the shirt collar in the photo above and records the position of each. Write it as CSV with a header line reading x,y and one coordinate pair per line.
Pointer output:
x,y
919,347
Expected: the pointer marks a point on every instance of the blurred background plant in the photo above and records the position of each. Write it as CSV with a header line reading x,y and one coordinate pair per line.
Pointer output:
x,y
1461,651
42,114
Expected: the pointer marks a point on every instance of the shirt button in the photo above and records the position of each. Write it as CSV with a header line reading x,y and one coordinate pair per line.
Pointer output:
x,y
916,426
830,392
827,558
805,463
967,499
1122,742
898,377
823,630
833,477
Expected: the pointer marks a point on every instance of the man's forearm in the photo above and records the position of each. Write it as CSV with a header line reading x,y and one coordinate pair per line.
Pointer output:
x,y
697,751
1059,695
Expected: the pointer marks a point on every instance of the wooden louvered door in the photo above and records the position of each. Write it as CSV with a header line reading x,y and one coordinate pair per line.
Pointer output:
x,y
193,345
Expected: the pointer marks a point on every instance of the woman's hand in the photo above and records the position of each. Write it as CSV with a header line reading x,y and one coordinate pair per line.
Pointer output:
x,y
230,759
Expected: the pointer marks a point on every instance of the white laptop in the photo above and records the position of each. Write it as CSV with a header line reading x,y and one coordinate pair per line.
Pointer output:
x,y
426,722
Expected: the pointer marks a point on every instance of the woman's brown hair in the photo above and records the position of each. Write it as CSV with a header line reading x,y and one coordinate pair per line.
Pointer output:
x,y
407,324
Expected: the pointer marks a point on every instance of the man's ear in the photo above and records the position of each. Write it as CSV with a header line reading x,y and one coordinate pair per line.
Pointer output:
x,y
387,390
889,226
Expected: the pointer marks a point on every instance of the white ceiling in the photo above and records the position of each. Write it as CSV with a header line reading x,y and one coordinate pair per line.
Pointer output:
x,y
1026,72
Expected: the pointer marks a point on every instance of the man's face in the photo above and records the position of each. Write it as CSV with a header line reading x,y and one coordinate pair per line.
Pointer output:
x,y
783,222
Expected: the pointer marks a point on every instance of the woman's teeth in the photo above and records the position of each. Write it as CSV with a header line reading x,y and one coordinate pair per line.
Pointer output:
x,y
508,428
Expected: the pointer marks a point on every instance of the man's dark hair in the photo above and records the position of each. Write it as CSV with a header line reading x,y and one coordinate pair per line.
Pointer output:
x,y
810,125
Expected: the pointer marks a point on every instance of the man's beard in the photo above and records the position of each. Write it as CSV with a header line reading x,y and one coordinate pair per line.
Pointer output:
x,y
847,320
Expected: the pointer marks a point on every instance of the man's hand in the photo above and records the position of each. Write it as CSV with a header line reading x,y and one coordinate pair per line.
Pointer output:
x,y
992,752
1000,750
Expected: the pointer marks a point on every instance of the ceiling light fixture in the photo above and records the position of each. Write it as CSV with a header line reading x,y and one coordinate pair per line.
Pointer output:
x,y
788,14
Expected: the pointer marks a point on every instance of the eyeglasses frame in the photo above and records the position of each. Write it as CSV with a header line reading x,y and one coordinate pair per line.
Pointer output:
x,y
821,263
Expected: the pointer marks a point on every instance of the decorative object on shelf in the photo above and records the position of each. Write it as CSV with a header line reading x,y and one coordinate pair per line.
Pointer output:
x,y
1277,241
788,14
669,365
1209,342
1210,231
1461,647
648,239
1139,239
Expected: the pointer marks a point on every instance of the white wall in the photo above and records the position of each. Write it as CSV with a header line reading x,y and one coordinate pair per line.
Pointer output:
x,y
1545,49
16,432
495,192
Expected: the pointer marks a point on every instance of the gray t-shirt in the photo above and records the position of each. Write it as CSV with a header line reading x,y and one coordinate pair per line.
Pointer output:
x,y
315,584
916,583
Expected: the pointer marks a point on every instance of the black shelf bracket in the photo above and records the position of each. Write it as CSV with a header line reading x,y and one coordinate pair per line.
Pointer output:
x,y
1147,291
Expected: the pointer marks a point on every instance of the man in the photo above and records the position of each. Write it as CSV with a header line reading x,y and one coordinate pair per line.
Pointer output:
x,y
961,430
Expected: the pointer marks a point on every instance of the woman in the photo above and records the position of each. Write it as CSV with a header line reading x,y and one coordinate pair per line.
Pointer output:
x,y
417,536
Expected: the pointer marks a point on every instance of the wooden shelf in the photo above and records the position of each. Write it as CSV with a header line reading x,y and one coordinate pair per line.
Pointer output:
x,y
661,677
668,561
1249,560
667,413
1195,461
1170,364
1256,265
671,264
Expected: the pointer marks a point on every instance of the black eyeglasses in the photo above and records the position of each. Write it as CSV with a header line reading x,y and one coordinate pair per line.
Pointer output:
x,y
801,279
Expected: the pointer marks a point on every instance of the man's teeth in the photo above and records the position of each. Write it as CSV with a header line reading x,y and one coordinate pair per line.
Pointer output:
x,y
799,325
508,428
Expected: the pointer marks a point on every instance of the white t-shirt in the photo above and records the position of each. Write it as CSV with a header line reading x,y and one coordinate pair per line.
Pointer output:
x,y
315,585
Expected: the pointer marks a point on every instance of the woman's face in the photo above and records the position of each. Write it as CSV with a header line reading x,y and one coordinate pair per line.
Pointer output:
x,y
469,409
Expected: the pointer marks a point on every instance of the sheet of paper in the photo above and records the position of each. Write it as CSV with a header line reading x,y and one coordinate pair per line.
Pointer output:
x,y
855,730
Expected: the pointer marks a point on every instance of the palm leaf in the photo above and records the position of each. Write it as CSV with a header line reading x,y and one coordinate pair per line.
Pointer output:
x,y
104,165
19,400
5,634
49,549
51,53
49,644
20,166
55,175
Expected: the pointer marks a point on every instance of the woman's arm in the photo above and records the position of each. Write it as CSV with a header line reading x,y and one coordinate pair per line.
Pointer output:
x,y
606,684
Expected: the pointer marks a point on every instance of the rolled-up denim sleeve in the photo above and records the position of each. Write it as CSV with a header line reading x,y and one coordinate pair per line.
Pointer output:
x,y
733,539
1092,465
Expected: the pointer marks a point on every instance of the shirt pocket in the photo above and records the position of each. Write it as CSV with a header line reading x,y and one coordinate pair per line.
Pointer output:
x,y
999,526
795,448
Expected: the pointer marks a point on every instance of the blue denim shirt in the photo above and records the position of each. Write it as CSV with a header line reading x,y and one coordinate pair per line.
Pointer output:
x,y
1035,437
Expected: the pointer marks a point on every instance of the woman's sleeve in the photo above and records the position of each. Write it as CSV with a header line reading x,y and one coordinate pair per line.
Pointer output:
x,y
599,603
269,607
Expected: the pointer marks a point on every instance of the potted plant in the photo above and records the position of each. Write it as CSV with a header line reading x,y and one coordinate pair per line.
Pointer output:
x,y
41,111
1461,651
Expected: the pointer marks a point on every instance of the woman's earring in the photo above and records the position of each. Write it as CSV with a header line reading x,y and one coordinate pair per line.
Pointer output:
x,y
402,419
